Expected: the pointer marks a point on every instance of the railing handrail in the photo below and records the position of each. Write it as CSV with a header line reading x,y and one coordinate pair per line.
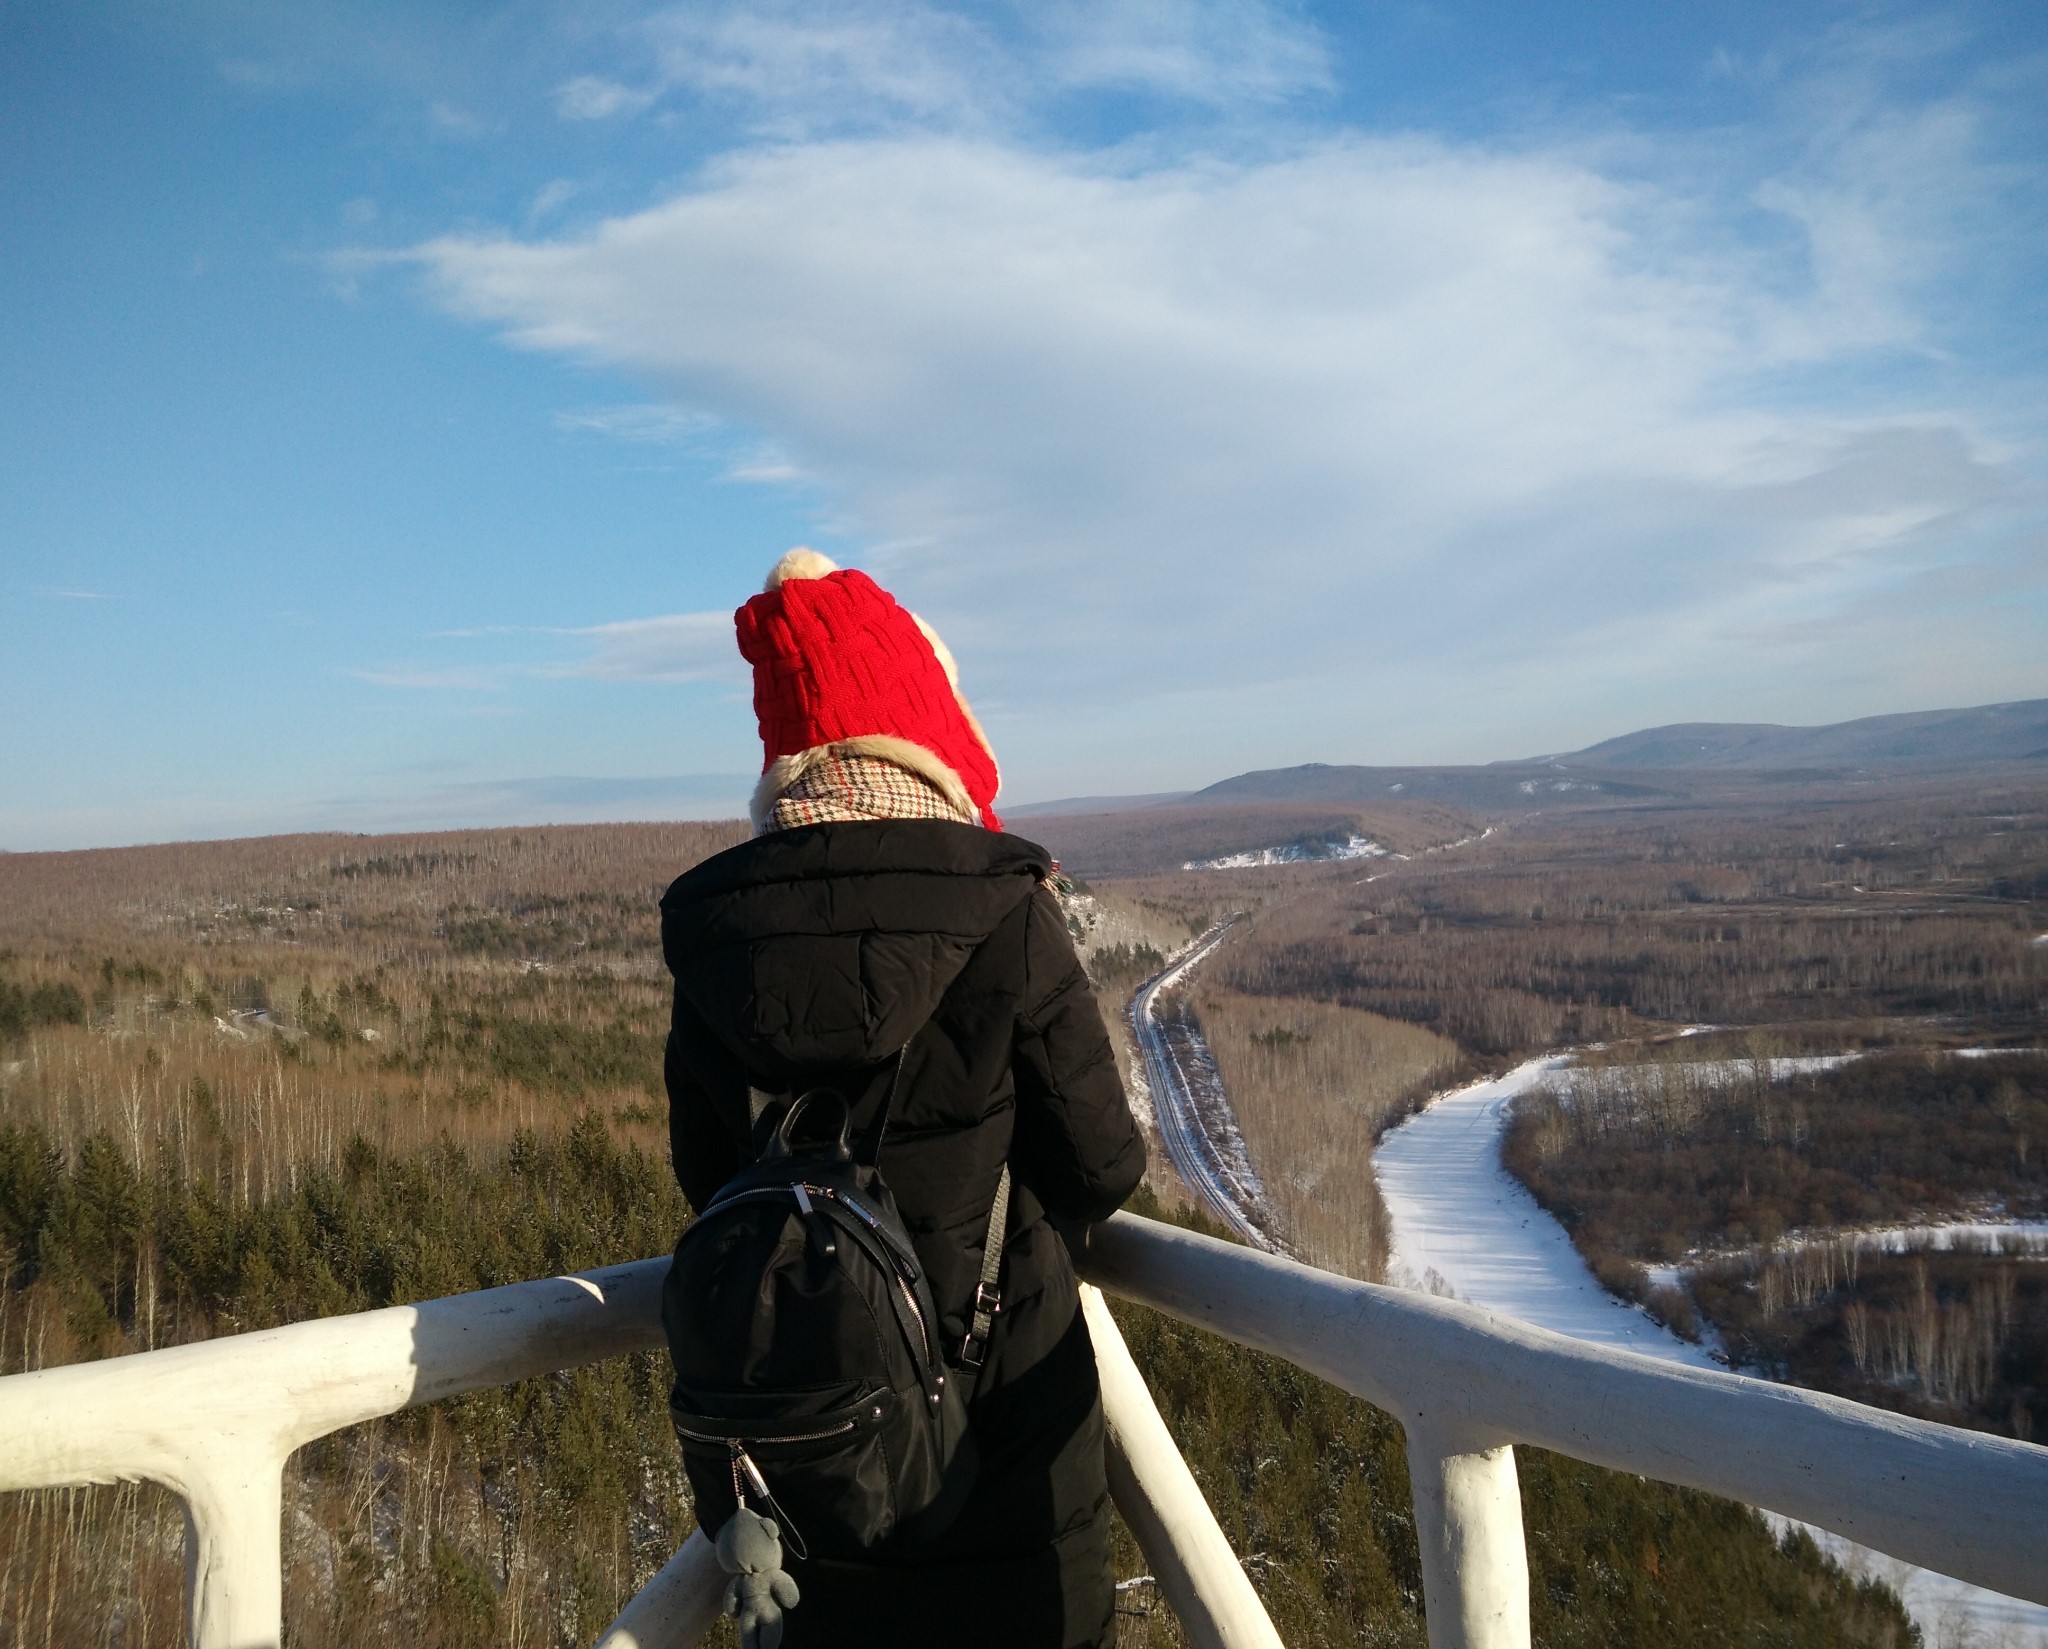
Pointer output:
x,y
118,1418
1963,1503
215,1421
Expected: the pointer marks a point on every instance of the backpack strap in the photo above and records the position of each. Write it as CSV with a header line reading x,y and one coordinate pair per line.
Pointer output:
x,y
988,1294
870,1151
988,1297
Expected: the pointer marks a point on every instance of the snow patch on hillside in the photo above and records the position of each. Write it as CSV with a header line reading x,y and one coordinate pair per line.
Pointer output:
x,y
2024,1239
1353,846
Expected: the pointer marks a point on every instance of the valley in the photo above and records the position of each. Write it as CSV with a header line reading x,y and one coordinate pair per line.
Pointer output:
x,y
1933,1316
244,1083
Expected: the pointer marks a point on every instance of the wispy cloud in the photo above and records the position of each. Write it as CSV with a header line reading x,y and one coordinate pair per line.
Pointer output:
x,y
81,595
549,199
605,797
646,425
592,97
1217,52
387,800
428,680
454,121
808,65
256,74
797,67
767,467
678,647
675,647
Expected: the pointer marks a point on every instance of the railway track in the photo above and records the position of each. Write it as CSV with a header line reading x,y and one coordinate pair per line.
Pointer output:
x,y
1216,1170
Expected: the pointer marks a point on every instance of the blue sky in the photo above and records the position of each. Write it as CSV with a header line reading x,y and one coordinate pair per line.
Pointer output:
x,y
398,399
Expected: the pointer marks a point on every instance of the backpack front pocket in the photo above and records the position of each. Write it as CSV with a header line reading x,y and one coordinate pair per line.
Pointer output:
x,y
825,1471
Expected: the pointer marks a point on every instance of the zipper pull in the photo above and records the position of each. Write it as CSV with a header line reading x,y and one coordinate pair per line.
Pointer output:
x,y
819,1228
745,1472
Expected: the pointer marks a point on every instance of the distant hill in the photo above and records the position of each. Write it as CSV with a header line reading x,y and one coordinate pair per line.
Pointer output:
x,y
1925,739
1512,786
1142,841
1684,761
1091,804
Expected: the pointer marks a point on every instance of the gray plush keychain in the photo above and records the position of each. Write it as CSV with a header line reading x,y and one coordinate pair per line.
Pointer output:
x,y
750,1550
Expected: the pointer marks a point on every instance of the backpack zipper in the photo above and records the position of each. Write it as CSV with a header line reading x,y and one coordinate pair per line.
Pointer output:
x,y
804,1191
923,1334
902,1267
746,1478
740,1453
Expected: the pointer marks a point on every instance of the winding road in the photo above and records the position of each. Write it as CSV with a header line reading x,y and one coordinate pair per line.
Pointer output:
x,y
1196,1124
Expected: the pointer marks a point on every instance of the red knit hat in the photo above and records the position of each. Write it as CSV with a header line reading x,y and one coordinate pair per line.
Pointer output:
x,y
838,663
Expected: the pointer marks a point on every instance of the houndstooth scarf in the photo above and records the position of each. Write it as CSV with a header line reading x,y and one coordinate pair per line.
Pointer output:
x,y
839,788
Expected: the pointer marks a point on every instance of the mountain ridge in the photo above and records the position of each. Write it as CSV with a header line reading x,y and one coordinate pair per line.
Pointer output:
x,y
1652,762
2013,731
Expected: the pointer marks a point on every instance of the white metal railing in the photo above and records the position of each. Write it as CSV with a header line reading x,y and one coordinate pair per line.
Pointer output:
x,y
1467,1384
215,1422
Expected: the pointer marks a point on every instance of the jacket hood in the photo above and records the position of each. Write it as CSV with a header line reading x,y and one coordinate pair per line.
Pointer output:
x,y
829,946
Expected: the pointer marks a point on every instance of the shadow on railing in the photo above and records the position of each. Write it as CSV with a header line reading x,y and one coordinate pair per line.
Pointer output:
x,y
215,1422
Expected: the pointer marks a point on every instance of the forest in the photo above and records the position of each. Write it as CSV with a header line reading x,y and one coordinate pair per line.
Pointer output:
x,y
247,1083
1758,1179
1845,922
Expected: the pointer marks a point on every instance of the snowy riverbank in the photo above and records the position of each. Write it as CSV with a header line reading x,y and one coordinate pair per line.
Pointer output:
x,y
1463,1225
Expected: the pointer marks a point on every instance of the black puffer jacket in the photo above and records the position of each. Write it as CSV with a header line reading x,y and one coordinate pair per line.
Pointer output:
x,y
807,952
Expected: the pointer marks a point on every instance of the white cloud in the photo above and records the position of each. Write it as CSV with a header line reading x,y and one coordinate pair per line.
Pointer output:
x,y
453,120
257,75
428,680
678,647
644,425
1370,421
592,97
799,67
549,199
807,65
1216,52
767,467
675,647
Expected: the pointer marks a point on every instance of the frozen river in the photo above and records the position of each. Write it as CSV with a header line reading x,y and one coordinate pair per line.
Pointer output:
x,y
1463,1225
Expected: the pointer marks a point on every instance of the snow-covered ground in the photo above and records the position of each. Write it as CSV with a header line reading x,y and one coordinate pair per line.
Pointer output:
x,y
2025,1238
1567,1079
1463,1225
1353,846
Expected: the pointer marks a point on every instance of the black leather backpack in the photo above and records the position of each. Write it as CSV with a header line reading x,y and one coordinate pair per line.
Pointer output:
x,y
810,1384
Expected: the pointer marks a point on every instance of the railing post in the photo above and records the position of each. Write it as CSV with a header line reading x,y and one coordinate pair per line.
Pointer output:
x,y
233,1498
1198,1574
1468,1519
677,1607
